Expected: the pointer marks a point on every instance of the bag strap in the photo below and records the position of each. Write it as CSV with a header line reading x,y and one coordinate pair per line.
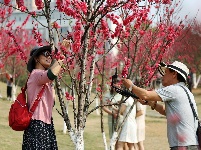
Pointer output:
x,y
37,100
191,104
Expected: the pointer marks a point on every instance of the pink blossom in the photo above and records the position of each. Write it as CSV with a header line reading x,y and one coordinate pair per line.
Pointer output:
x,y
166,1
100,52
1,65
63,49
26,20
23,8
104,28
171,11
59,56
96,71
56,25
79,75
81,6
70,12
119,45
141,32
98,89
37,35
112,2
9,10
10,23
6,2
20,3
76,46
125,72
69,97
39,4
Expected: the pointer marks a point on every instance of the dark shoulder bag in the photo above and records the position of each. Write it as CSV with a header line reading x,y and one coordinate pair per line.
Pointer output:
x,y
196,116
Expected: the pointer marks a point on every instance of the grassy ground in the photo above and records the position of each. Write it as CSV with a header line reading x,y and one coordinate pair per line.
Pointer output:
x,y
156,138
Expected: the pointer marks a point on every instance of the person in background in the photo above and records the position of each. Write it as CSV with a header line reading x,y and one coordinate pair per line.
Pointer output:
x,y
111,97
9,86
181,123
128,134
40,134
140,120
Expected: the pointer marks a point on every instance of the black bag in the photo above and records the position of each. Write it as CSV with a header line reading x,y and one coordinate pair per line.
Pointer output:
x,y
198,132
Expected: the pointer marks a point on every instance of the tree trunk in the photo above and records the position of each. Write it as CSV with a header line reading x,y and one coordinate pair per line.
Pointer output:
x,y
113,140
79,140
14,89
196,81
104,140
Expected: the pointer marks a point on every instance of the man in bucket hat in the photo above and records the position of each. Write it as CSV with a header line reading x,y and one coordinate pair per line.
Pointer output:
x,y
181,123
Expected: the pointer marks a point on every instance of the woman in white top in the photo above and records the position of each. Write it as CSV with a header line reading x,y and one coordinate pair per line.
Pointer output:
x,y
128,133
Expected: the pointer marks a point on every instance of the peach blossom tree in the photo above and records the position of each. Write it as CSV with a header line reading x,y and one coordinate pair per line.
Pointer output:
x,y
14,43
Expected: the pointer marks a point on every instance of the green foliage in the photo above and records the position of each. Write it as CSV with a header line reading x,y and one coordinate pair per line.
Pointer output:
x,y
21,80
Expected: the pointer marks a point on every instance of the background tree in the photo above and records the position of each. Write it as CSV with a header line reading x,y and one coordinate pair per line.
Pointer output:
x,y
14,43
187,49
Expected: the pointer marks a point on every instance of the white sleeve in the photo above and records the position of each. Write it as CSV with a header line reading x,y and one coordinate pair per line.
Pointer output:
x,y
138,106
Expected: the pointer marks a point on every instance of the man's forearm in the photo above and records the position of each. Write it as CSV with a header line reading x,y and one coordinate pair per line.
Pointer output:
x,y
159,108
144,94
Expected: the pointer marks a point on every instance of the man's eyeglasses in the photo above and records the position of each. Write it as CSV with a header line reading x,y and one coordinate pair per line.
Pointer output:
x,y
46,54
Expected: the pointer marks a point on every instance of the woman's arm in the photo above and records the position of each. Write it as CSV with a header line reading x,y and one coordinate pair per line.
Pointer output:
x,y
110,112
139,113
56,65
122,109
139,109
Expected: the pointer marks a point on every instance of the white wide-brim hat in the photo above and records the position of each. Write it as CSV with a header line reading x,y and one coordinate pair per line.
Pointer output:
x,y
177,66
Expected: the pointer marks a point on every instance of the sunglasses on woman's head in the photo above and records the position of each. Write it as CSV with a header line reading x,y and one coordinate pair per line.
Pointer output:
x,y
46,54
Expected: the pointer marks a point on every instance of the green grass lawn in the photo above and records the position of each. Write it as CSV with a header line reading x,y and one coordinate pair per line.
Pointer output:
x,y
13,139
156,138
